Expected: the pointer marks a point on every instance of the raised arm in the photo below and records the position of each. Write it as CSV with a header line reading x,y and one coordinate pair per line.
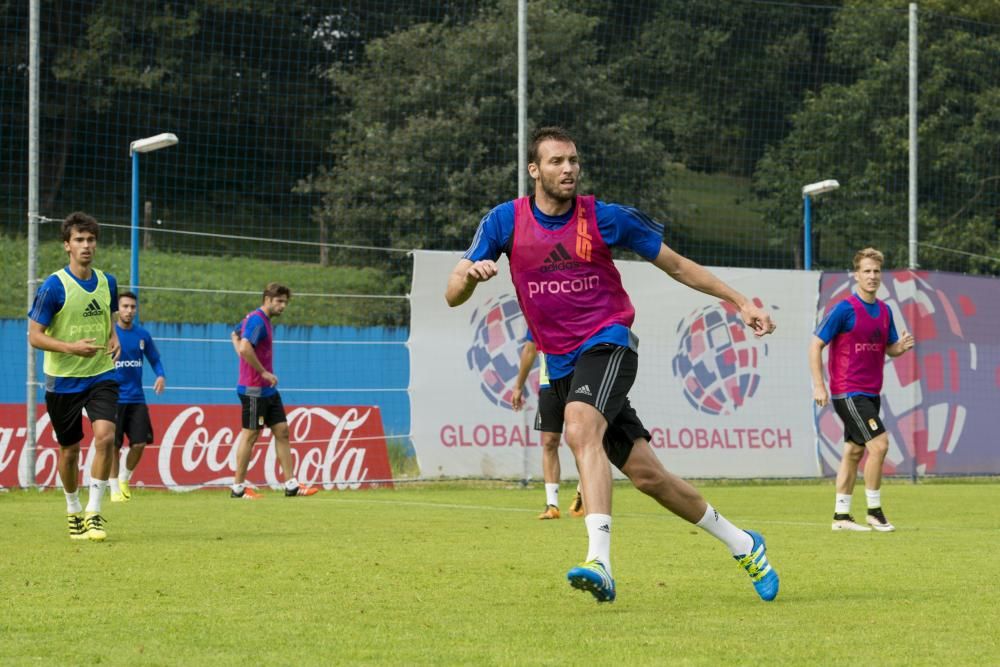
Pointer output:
x,y
697,277
464,278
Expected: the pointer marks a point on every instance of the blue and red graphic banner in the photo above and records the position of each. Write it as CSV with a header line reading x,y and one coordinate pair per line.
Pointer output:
x,y
939,400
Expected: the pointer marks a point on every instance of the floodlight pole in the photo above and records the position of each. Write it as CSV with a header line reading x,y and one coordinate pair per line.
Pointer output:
x,y
808,192
147,145
807,224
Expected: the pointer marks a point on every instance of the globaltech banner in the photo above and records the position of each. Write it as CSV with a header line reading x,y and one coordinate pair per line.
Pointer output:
x,y
333,447
717,401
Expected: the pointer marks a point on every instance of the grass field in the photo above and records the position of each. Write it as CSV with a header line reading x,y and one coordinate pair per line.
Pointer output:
x,y
464,574
218,276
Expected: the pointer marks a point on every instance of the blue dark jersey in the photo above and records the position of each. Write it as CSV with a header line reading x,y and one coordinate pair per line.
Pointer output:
x,y
136,343
254,329
841,320
49,300
620,226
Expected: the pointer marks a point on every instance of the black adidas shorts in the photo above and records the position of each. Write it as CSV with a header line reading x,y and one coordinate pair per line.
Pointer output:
x,y
66,410
133,420
261,411
602,378
860,415
549,417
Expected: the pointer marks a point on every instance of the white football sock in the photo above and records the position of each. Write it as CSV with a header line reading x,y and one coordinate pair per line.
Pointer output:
x,y
552,494
291,483
599,534
73,502
874,498
719,527
97,489
124,474
843,504
238,488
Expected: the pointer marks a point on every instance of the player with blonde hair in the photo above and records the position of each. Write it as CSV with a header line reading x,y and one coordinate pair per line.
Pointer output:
x,y
860,332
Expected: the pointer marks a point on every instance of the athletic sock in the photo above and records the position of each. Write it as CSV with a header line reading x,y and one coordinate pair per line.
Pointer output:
x,y
291,483
97,489
124,474
73,502
238,488
739,541
842,505
874,498
552,494
599,534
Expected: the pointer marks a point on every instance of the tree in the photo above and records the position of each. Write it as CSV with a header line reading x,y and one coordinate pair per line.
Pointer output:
x,y
429,141
722,76
856,131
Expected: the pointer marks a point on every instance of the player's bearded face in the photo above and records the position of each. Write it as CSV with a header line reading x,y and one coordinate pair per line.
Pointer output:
x,y
275,306
558,169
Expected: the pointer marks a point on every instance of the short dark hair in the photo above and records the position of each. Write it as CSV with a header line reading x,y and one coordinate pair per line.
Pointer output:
x,y
544,134
128,295
81,221
275,290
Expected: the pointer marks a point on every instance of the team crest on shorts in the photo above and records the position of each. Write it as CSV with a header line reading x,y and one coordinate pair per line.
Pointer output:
x,y
260,421
872,424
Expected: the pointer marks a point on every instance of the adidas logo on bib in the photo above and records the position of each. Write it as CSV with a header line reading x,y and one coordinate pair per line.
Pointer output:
x,y
585,390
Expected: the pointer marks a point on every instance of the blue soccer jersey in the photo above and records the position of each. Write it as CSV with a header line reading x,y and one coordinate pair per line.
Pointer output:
x,y
136,343
620,226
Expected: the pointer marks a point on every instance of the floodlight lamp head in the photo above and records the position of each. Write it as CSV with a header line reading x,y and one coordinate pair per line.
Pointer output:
x,y
819,188
150,144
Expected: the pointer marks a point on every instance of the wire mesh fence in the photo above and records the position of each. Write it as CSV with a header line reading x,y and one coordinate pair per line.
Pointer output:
x,y
320,142
310,132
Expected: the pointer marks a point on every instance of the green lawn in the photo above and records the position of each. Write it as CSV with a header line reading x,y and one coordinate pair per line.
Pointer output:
x,y
718,222
464,574
210,285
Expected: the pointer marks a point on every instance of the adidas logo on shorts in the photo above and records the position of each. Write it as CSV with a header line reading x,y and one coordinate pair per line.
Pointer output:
x,y
584,390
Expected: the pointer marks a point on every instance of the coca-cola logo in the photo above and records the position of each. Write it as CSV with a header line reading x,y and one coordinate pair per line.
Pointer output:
x,y
13,472
336,447
190,451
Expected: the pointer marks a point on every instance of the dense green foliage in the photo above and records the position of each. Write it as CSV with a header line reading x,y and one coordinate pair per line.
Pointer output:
x,y
427,93
857,131
464,574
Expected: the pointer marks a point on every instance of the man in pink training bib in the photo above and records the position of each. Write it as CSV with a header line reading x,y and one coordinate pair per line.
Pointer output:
x,y
559,245
860,331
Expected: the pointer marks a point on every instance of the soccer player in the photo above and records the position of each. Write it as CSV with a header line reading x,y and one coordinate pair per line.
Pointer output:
x,y
559,245
258,392
860,331
549,422
70,320
133,414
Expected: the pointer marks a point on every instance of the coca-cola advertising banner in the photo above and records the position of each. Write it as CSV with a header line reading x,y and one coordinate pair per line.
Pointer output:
x,y
717,401
333,447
